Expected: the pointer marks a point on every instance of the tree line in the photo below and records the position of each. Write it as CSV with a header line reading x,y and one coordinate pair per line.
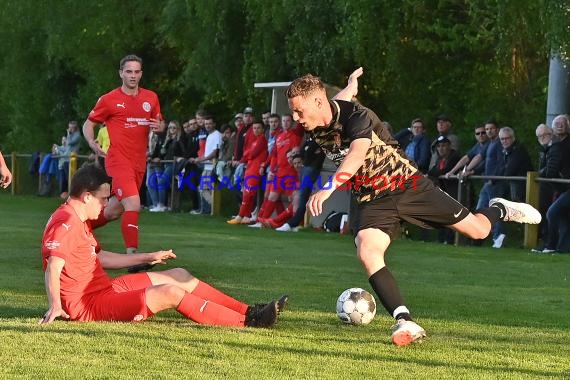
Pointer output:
x,y
470,59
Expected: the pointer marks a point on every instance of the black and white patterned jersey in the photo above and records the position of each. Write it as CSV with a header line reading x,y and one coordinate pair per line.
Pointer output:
x,y
385,163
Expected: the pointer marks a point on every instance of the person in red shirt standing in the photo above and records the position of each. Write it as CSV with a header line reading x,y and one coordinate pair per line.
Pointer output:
x,y
79,289
281,175
254,156
128,112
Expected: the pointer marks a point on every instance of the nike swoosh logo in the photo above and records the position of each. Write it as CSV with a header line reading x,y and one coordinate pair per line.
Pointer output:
x,y
456,215
203,306
133,225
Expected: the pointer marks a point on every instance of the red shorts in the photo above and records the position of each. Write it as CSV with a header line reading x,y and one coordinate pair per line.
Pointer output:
x,y
126,181
284,184
124,302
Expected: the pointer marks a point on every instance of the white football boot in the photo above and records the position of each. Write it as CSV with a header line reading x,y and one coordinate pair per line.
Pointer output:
x,y
406,332
518,212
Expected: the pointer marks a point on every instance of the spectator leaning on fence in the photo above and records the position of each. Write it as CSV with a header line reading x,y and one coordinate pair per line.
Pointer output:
x,y
558,214
479,149
548,163
517,162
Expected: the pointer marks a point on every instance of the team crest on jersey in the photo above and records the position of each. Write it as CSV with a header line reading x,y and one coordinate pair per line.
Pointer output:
x,y
52,244
146,106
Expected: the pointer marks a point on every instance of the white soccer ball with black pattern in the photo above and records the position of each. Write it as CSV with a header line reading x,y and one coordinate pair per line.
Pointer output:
x,y
356,306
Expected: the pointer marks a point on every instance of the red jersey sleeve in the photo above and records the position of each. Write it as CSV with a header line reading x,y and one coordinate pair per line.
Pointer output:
x,y
100,112
59,239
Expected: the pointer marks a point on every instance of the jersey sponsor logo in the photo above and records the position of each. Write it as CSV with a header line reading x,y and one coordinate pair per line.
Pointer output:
x,y
121,105
336,156
146,106
66,226
52,244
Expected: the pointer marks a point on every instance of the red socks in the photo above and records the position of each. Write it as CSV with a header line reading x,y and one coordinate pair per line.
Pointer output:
x,y
207,292
208,312
247,203
130,228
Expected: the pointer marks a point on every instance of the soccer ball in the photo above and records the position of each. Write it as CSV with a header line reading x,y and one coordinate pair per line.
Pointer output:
x,y
356,306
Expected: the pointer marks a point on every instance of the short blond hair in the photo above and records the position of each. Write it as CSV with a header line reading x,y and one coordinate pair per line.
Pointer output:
x,y
304,86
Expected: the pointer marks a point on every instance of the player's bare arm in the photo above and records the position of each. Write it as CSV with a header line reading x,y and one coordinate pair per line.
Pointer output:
x,y
52,284
351,89
111,260
348,167
89,134
5,175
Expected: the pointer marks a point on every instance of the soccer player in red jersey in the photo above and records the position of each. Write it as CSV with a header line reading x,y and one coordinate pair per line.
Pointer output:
x,y
281,175
79,289
129,112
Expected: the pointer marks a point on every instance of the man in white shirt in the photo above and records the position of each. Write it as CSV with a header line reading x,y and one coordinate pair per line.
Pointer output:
x,y
213,143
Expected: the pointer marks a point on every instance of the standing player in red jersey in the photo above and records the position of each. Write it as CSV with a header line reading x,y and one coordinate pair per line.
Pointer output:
x,y
128,112
79,289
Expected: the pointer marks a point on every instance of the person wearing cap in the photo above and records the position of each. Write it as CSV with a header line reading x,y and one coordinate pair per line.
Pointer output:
x,y
443,126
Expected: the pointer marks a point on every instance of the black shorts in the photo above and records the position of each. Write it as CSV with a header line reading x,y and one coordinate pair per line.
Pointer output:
x,y
424,205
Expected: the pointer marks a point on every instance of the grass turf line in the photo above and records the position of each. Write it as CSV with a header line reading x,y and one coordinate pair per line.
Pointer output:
x,y
489,313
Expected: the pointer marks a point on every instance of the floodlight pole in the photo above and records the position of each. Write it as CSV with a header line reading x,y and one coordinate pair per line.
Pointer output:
x,y
558,88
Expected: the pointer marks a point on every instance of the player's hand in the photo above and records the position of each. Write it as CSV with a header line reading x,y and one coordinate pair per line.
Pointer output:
x,y
161,257
353,80
52,314
315,203
156,125
448,174
5,177
96,148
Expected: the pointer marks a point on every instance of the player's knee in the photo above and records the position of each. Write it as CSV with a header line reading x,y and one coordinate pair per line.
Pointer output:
x,y
370,244
172,294
181,274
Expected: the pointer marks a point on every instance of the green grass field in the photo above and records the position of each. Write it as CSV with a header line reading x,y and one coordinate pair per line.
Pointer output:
x,y
489,313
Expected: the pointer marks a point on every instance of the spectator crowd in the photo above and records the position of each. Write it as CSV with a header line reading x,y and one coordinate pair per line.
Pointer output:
x,y
271,167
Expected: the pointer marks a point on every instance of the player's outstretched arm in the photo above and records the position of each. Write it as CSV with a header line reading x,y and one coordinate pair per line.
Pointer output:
x,y
351,89
52,283
110,260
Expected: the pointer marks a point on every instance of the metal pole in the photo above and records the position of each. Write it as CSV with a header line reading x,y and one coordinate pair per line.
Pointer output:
x,y
558,88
